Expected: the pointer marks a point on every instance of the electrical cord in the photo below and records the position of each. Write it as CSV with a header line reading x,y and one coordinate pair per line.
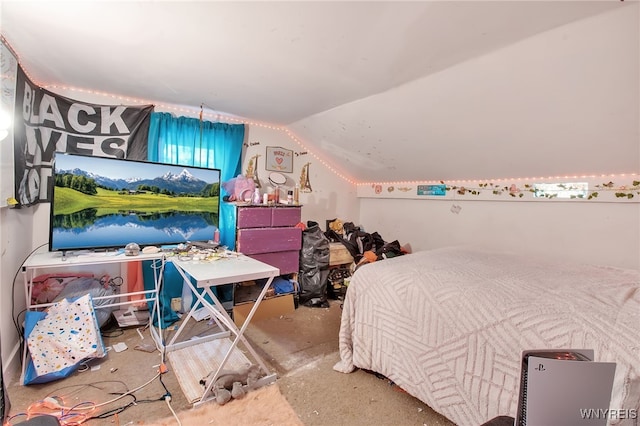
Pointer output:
x,y
15,318
117,410
82,412
91,405
168,401
71,415
167,393
70,418
112,332
166,397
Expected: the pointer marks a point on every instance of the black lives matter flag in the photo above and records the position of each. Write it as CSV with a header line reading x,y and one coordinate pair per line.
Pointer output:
x,y
45,123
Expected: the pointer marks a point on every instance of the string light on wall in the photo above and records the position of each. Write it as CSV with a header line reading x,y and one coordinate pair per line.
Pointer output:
x,y
201,113
619,186
219,116
229,118
531,179
193,111
322,161
216,117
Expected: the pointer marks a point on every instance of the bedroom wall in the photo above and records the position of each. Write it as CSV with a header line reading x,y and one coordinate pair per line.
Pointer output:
x,y
16,235
599,76
586,232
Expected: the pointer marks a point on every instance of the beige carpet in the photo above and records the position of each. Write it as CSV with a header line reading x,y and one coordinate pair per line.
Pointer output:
x,y
301,348
264,406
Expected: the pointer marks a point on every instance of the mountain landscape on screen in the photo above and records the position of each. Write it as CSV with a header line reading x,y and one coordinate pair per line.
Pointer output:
x,y
100,202
183,182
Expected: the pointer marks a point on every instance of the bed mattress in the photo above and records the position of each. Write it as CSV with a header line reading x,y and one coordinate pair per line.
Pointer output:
x,y
449,325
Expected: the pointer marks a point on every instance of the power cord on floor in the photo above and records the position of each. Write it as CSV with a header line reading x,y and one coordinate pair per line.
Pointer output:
x,y
74,415
167,399
167,396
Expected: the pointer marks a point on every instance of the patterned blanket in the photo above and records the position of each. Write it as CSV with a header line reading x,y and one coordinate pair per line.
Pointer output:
x,y
449,325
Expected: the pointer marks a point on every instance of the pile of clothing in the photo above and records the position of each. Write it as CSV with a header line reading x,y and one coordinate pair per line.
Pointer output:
x,y
315,274
363,246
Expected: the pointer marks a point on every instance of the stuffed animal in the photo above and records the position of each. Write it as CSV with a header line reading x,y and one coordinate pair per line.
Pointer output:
x,y
337,226
239,188
222,396
232,383
237,391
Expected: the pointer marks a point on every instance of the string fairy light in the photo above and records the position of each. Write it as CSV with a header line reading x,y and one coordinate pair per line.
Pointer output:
x,y
558,178
241,120
182,110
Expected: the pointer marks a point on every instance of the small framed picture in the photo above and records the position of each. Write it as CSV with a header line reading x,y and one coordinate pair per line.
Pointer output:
x,y
279,159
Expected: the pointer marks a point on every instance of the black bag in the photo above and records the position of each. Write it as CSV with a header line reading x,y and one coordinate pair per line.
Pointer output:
x,y
389,250
314,267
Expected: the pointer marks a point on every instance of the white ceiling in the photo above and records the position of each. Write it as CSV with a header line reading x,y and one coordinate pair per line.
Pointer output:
x,y
350,78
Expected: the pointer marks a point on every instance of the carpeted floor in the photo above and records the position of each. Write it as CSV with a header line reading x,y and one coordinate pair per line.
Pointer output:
x,y
300,348
265,406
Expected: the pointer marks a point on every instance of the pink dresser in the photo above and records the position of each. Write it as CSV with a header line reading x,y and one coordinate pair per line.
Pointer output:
x,y
269,234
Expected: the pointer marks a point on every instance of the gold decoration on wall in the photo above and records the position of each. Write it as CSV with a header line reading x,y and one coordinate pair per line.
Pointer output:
x,y
252,170
305,185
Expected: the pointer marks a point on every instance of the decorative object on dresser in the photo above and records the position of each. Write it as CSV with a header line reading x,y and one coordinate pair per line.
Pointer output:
x,y
277,180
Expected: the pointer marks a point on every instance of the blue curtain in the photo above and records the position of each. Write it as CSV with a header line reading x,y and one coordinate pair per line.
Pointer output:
x,y
193,142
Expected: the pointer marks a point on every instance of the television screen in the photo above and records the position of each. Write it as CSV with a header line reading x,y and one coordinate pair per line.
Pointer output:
x,y
102,203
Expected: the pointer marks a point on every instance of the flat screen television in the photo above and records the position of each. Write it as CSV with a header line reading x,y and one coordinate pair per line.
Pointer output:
x,y
103,203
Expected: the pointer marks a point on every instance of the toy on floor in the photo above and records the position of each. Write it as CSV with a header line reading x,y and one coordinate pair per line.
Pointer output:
x,y
232,383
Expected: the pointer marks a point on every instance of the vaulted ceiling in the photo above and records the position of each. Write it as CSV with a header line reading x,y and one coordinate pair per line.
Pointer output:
x,y
386,90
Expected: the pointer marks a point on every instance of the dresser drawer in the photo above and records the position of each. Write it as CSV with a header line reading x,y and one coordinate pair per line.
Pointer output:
x,y
265,240
254,217
285,216
286,261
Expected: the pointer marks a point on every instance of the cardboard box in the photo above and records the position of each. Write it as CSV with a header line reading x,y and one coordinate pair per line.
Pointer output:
x,y
269,308
339,255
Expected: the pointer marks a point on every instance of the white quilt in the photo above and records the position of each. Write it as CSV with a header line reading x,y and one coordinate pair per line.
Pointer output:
x,y
449,325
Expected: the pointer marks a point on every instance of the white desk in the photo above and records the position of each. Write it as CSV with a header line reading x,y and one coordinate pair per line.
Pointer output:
x,y
228,270
53,260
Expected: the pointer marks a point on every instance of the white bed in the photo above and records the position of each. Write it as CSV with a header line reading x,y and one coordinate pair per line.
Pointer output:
x,y
449,325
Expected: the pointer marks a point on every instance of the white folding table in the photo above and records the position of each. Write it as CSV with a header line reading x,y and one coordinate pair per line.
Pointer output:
x,y
207,274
